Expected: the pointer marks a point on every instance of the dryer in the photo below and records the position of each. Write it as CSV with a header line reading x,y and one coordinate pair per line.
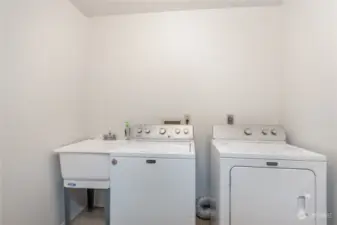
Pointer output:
x,y
257,178
152,177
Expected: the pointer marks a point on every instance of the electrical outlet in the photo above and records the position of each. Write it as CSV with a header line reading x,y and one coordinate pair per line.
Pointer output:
x,y
187,119
230,119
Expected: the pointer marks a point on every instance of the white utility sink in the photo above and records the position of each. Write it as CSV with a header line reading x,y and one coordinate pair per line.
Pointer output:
x,y
86,164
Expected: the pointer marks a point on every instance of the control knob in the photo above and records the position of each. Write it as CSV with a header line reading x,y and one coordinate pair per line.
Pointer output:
x,y
177,131
147,131
274,132
264,131
248,132
162,131
139,130
186,131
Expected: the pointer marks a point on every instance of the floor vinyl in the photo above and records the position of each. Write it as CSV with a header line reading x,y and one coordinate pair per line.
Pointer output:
x,y
97,218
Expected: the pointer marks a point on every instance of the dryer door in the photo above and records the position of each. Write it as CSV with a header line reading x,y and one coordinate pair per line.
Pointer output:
x,y
272,196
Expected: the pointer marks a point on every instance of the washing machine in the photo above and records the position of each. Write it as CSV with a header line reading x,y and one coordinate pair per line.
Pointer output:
x,y
152,177
258,179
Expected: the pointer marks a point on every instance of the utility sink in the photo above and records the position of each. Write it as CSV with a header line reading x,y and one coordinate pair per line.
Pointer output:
x,y
86,161
85,166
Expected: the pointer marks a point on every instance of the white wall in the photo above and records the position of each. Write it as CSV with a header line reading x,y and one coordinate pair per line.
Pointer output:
x,y
147,67
310,81
41,104
206,63
2,87
3,101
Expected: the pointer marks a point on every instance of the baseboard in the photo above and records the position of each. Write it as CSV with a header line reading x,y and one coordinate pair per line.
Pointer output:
x,y
76,213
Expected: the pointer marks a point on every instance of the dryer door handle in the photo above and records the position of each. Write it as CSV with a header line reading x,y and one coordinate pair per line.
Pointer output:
x,y
302,202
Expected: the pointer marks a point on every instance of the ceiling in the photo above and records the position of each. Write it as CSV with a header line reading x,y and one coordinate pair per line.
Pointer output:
x,y
93,8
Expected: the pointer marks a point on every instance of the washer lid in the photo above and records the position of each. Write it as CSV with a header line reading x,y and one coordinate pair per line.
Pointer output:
x,y
265,150
155,149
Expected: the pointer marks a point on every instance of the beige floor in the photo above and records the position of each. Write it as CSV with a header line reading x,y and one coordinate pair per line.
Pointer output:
x,y
97,218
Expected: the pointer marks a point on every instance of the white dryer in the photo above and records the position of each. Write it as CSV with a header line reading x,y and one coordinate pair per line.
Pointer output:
x,y
258,179
152,177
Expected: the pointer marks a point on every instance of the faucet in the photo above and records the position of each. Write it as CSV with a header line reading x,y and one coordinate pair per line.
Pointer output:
x,y
109,137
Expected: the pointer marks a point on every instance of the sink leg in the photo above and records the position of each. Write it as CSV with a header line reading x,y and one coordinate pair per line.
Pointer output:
x,y
66,206
107,206
91,197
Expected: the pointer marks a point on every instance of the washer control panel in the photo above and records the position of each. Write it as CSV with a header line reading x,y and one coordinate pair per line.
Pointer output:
x,y
250,132
180,132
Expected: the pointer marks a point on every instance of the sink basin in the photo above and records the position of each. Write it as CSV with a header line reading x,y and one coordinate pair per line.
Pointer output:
x,y
85,166
86,160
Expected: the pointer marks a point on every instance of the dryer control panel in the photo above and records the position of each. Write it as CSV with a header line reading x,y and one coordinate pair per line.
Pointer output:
x,y
250,132
162,132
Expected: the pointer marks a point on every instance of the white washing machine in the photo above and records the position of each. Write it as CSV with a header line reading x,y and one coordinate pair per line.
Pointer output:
x,y
258,179
152,177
